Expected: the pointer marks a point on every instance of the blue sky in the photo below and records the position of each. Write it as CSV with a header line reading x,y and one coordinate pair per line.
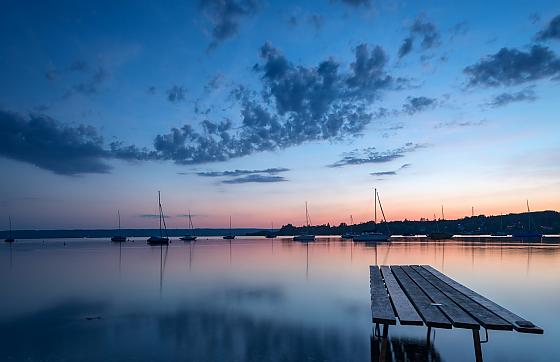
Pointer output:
x,y
248,108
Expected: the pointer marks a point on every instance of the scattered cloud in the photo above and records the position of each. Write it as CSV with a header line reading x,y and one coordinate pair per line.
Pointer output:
x,y
176,94
235,173
47,144
151,90
512,66
357,3
551,31
297,104
316,21
423,31
91,85
214,83
454,124
418,104
502,99
255,179
391,173
226,15
153,216
371,155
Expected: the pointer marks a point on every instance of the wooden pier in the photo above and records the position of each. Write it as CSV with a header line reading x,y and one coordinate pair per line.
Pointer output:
x,y
421,295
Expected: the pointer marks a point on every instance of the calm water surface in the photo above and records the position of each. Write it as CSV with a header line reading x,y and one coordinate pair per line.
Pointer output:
x,y
254,300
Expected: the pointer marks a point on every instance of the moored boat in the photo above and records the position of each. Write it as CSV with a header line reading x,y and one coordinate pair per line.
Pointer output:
x,y
10,238
160,240
305,237
119,238
229,236
191,236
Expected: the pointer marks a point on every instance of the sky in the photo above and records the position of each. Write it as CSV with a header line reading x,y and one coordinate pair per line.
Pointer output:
x,y
250,108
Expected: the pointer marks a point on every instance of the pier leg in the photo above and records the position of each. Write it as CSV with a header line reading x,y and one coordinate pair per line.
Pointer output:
x,y
428,336
383,353
477,346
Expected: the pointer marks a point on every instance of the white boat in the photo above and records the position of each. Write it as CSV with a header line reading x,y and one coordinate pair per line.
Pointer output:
x,y
374,236
191,236
119,238
305,237
160,240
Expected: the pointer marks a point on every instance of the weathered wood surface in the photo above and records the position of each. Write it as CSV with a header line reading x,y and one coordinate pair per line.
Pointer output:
x,y
431,314
381,309
403,307
519,324
454,313
486,318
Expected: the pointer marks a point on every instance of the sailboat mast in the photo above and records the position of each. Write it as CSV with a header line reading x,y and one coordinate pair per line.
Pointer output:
x,y
375,206
10,221
230,225
442,214
159,204
529,214
119,215
306,215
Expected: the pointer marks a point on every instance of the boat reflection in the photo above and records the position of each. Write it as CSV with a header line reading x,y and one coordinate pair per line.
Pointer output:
x,y
404,349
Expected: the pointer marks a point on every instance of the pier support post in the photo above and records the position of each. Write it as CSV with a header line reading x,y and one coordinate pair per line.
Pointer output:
x,y
477,346
428,336
382,355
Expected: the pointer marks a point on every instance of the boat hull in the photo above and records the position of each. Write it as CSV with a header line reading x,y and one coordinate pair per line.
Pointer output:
x,y
348,236
9,240
271,236
229,237
371,237
156,240
440,236
118,239
188,238
304,238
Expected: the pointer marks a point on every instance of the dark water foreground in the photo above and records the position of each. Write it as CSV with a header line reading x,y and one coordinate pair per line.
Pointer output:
x,y
254,300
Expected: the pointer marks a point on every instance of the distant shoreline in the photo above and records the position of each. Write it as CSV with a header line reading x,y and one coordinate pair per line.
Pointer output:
x,y
545,222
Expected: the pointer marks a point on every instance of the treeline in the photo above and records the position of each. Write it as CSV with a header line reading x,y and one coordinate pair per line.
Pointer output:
x,y
546,222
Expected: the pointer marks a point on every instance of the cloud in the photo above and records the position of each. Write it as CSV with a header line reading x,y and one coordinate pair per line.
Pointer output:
x,y
255,179
226,15
512,66
235,173
151,90
153,216
502,99
453,124
214,83
357,3
317,21
371,155
176,94
406,47
418,104
91,85
391,173
551,31
459,29
423,31
47,144
297,104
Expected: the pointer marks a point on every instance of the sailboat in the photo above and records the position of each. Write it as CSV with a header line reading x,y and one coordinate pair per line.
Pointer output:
x,y
350,234
271,234
10,238
501,232
229,236
440,235
529,234
119,238
160,240
191,236
305,237
374,236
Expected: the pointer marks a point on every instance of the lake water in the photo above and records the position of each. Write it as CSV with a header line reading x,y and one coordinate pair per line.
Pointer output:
x,y
254,300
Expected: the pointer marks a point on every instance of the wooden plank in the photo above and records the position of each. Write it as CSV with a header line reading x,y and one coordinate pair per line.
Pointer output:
x,y
486,318
381,309
401,304
452,311
519,324
432,316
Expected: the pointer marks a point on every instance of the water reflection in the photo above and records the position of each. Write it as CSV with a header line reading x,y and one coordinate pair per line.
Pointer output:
x,y
275,301
403,349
